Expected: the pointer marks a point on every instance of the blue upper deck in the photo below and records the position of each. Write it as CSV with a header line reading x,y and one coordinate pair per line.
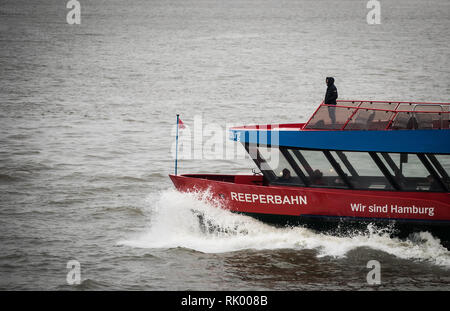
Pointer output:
x,y
361,126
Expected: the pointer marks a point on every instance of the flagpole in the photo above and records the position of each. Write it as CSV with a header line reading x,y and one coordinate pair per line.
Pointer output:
x,y
176,147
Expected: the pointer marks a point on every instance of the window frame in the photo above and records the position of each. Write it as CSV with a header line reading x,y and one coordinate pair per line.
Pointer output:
x,y
304,172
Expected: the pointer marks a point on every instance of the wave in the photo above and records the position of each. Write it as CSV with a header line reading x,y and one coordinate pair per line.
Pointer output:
x,y
125,209
87,284
5,178
175,223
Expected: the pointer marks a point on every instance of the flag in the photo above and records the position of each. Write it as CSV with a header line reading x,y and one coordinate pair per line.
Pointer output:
x,y
181,124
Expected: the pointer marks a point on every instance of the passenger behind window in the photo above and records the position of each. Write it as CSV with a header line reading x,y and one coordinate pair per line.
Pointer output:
x,y
338,182
316,178
286,177
434,186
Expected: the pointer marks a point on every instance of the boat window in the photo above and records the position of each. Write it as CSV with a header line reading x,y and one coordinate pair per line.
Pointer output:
x,y
275,161
403,120
330,117
355,170
421,117
444,162
441,164
344,165
431,116
365,173
321,172
300,161
365,119
409,172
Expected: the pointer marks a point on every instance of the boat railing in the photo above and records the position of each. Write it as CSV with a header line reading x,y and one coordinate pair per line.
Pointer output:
x,y
380,115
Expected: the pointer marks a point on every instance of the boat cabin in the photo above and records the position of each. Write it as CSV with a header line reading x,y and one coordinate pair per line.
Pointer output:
x,y
393,146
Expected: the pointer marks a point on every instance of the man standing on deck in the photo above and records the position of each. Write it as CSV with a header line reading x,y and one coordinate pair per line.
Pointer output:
x,y
330,98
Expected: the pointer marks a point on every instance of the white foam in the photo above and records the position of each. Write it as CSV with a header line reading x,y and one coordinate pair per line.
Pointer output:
x,y
174,224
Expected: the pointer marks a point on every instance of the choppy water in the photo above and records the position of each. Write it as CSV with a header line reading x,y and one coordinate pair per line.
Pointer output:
x,y
86,130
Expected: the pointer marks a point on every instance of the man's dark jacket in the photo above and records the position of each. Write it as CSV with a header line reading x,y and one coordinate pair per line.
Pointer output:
x,y
332,94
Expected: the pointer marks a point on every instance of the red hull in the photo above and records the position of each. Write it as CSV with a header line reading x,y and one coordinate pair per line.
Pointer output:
x,y
246,194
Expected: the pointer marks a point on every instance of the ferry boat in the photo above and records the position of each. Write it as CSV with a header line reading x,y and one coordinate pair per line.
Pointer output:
x,y
352,164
